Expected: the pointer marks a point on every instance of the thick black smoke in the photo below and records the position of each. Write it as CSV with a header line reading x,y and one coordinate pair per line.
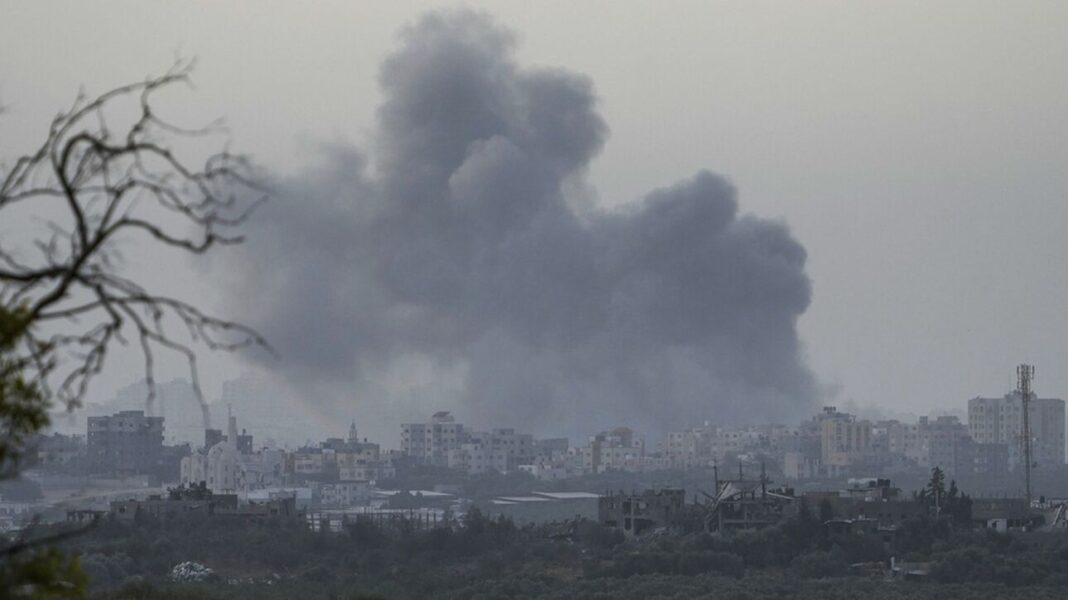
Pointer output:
x,y
453,252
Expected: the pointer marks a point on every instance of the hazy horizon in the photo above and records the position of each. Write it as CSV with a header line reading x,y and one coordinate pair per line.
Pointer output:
x,y
915,151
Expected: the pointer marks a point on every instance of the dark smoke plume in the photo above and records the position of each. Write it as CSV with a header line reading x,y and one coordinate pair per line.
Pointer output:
x,y
449,253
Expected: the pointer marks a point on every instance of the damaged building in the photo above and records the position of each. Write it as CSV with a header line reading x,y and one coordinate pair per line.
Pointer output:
x,y
748,504
637,513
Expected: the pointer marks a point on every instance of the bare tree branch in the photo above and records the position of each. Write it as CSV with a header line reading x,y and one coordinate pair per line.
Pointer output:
x,y
109,186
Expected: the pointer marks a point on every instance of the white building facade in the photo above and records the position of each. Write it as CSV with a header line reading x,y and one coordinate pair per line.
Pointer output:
x,y
1000,421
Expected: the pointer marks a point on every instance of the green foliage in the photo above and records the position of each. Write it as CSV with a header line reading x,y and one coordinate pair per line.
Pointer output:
x,y
64,300
958,506
916,537
140,590
819,564
933,494
27,572
45,573
23,407
492,558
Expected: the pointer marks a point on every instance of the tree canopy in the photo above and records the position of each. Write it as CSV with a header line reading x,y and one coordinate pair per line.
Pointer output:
x,y
67,210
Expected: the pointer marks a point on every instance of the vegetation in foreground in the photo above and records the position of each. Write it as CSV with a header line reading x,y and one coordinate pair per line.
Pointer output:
x,y
495,559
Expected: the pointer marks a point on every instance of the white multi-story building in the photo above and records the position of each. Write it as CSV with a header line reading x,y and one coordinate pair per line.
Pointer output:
x,y
707,445
224,469
1000,421
501,450
732,441
431,442
227,470
619,449
477,458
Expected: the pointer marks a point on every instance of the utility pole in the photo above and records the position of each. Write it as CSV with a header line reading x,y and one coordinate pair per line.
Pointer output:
x,y
1024,375
763,481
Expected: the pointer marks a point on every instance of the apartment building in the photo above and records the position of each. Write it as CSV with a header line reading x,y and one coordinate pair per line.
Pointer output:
x,y
842,437
126,442
1000,421
430,443
618,449
501,450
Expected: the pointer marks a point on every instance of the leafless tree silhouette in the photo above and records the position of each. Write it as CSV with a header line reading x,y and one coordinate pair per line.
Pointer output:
x,y
66,296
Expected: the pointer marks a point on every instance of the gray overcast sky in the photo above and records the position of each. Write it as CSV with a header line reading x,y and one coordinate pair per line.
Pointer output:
x,y
916,149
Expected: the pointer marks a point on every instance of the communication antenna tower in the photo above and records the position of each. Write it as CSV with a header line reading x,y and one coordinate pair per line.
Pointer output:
x,y
1024,375
715,474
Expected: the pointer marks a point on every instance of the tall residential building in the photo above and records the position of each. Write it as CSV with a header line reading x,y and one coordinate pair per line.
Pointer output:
x,y
126,442
842,437
905,439
430,443
948,445
1000,421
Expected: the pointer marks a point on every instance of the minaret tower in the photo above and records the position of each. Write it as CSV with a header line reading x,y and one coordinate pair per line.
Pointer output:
x,y
231,428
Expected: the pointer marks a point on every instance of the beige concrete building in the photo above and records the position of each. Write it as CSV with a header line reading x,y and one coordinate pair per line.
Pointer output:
x,y
1000,421
842,437
501,450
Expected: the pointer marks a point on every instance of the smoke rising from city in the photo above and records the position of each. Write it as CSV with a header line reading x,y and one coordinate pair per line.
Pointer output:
x,y
451,249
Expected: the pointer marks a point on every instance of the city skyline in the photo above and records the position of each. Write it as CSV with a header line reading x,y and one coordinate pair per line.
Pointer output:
x,y
982,418
960,204
506,299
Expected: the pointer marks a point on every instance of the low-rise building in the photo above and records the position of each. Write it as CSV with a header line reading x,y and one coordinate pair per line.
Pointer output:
x,y
639,513
545,470
199,501
344,494
183,500
539,508
57,450
871,499
1004,514
744,504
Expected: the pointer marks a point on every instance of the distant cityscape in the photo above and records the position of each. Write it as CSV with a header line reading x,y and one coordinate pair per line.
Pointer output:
x,y
122,457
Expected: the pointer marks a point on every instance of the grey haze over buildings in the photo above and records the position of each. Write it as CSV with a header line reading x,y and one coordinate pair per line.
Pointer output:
x,y
916,149
452,245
